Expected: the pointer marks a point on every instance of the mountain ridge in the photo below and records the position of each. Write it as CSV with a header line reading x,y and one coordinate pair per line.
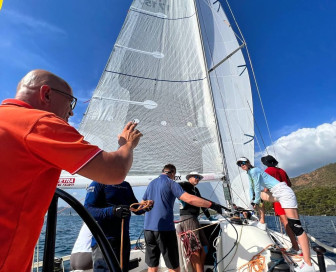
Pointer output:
x,y
324,176
316,191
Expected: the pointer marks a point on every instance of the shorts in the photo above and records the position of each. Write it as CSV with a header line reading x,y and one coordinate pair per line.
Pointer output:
x,y
81,261
189,222
278,209
164,242
284,195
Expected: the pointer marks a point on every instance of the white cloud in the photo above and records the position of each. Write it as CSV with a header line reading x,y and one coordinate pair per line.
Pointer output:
x,y
306,149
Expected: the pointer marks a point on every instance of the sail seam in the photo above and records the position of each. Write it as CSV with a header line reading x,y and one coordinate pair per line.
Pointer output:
x,y
155,79
159,15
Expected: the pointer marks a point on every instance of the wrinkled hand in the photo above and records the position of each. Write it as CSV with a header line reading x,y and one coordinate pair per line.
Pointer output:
x,y
122,211
129,135
150,206
216,207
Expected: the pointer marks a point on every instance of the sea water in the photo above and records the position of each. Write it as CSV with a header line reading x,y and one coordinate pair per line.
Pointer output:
x,y
68,227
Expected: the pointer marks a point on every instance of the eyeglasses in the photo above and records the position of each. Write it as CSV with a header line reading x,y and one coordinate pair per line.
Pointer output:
x,y
240,163
169,172
73,99
197,177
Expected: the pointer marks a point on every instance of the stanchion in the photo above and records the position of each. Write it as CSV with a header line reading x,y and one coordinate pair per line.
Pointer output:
x,y
320,257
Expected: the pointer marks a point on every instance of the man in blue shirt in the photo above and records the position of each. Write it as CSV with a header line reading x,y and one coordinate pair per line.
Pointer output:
x,y
109,204
160,234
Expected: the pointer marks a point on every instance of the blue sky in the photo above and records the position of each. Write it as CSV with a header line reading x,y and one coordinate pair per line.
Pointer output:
x,y
292,46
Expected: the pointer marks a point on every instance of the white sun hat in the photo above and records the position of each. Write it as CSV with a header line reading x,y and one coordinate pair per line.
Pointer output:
x,y
242,159
194,173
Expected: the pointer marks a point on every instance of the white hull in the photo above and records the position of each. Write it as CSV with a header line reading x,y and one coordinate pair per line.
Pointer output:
x,y
251,241
240,249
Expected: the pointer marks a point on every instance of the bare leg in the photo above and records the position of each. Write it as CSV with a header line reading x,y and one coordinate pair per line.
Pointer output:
x,y
284,221
196,262
261,211
303,238
203,256
153,269
174,270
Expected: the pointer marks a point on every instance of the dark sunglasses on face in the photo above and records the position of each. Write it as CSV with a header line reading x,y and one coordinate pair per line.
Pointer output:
x,y
73,99
240,163
197,177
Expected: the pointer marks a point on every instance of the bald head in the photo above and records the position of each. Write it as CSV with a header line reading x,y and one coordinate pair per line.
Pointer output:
x,y
37,88
36,78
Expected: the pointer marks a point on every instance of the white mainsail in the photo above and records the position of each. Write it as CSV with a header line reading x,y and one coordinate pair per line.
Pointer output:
x,y
157,75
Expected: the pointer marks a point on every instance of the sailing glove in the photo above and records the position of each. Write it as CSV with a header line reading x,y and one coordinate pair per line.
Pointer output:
x,y
121,211
216,207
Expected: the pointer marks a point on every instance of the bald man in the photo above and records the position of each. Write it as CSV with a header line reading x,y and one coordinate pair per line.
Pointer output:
x,y
36,144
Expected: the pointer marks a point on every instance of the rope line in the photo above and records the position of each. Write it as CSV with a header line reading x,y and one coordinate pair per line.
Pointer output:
x,y
140,206
188,247
257,263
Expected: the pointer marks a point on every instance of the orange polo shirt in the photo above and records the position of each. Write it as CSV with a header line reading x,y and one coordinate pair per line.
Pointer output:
x,y
35,146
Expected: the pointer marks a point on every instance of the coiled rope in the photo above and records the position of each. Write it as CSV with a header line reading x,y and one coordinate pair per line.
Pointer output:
x,y
186,237
256,264
188,248
141,206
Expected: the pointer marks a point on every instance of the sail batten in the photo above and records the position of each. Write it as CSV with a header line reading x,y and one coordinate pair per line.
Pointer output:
x,y
226,58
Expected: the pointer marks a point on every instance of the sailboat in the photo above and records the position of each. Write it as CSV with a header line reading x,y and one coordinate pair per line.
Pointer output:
x,y
178,70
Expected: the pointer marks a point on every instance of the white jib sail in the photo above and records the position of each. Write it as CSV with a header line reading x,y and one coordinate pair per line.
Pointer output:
x,y
232,94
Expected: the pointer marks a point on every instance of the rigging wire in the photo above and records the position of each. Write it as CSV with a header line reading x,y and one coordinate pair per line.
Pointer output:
x,y
253,73
256,123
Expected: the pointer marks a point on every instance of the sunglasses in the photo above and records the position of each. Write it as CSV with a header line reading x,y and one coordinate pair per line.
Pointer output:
x,y
197,177
73,99
169,172
240,163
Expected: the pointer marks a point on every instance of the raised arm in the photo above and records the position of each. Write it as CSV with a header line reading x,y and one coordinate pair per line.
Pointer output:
x,y
112,167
